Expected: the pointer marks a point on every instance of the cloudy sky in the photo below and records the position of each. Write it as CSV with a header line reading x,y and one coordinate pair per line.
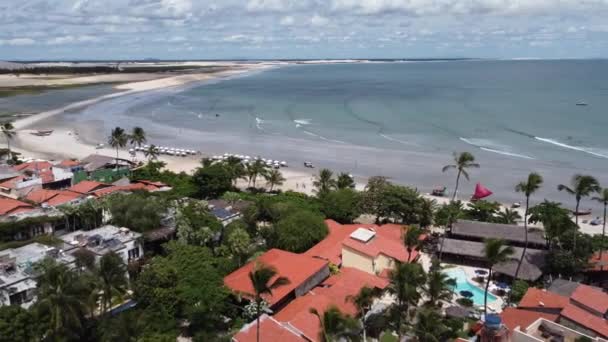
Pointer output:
x,y
216,29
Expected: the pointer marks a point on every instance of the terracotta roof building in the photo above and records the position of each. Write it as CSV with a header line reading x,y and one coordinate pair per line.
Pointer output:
x,y
270,330
303,273
543,301
9,206
53,197
87,187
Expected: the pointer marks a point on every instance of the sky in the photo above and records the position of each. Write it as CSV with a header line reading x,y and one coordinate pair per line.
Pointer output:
x,y
311,29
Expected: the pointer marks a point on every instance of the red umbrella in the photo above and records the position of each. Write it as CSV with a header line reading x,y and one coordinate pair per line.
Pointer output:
x,y
481,192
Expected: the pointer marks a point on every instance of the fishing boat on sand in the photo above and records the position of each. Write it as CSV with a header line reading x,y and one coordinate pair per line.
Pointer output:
x,y
581,212
439,191
42,132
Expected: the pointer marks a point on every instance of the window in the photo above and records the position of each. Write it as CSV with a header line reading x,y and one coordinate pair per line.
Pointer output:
x,y
19,298
133,253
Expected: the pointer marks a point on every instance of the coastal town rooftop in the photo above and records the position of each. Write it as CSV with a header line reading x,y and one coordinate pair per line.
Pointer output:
x,y
507,232
101,240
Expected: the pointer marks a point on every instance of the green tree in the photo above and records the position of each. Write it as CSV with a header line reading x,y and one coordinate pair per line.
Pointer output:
x,y
427,211
438,285
336,326
400,203
555,219
342,205
430,327
372,196
411,240
298,231
17,324
581,186
212,181
151,153
518,290
603,198
138,211
364,300
449,213
274,178
195,224
112,273
261,278
254,170
324,182
235,168
462,162
405,282
118,139
345,181
84,260
508,216
62,300
239,243
137,136
9,133
527,187
495,251
483,211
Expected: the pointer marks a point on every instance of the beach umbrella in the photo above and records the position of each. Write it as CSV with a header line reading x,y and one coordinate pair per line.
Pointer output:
x,y
502,285
466,294
481,272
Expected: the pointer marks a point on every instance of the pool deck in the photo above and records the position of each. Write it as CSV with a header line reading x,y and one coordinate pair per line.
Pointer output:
x,y
493,307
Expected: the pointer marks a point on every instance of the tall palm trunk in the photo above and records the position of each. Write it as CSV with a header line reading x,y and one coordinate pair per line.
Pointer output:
x,y
116,167
578,202
257,333
603,237
363,325
485,297
523,253
8,147
456,187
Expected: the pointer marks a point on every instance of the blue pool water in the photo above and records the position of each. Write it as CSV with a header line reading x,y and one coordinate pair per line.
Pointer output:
x,y
463,284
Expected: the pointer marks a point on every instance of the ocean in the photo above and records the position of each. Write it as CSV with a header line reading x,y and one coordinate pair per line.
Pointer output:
x,y
401,120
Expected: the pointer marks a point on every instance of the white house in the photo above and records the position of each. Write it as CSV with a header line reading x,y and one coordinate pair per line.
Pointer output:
x,y
124,242
17,277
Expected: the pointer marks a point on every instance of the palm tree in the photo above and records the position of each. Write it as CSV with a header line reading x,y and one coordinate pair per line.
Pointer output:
x,y
335,325
113,281
603,198
363,301
508,216
528,187
118,139
62,298
324,182
411,240
151,152
274,177
8,132
430,327
462,162
495,252
345,181
256,169
582,186
138,136
438,285
405,281
260,278
235,168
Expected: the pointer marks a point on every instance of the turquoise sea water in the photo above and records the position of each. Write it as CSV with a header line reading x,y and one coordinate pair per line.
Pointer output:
x,y
400,120
463,284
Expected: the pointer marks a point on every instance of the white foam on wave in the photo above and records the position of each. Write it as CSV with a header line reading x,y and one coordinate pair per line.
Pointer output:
x,y
322,137
258,123
575,148
397,140
300,122
489,146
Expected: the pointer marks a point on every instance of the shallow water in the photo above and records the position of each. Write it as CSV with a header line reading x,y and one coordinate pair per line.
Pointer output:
x,y
400,120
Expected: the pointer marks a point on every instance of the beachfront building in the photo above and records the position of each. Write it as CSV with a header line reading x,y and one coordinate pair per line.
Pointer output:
x,y
100,241
368,247
563,312
102,169
295,322
226,212
303,273
50,176
22,221
463,244
17,274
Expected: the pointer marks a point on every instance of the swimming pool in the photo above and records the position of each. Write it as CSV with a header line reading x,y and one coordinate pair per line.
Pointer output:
x,y
463,284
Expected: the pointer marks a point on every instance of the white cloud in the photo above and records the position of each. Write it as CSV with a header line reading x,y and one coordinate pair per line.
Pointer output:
x,y
287,20
318,20
17,41
69,39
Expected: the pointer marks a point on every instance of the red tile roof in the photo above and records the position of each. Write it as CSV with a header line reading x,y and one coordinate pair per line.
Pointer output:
x,y
13,206
47,176
513,318
63,197
539,298
41,195
297,268
118,188
333,292
591,298
387,241
585,319
11,182
69,163
33,166
150,185
88,186
270,330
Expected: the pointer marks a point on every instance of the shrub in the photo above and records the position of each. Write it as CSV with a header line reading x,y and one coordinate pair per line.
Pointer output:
x,y
466,302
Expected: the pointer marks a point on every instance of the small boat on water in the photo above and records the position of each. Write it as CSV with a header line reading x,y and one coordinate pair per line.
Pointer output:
x,y
581,212
42,132
581,103
439,191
